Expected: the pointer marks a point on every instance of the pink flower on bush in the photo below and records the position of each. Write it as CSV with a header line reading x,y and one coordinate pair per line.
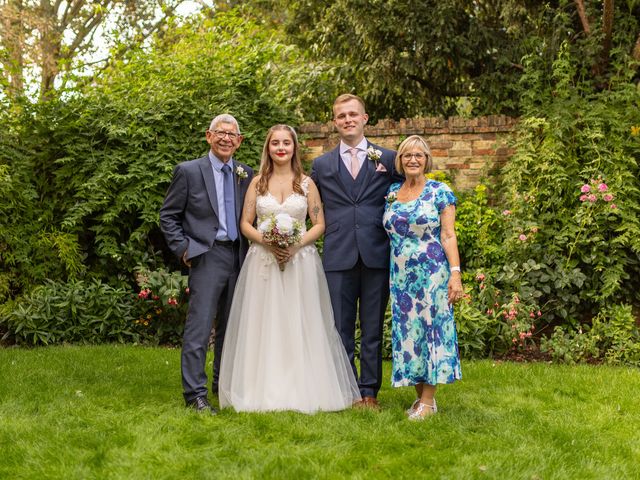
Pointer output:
x,y
155,297
532,315
613,206
172,301
482,286
522,237
539,313
187,291
585,188
506,212
534,229
490,311
592,198
603,187
607,197
144,293
480,277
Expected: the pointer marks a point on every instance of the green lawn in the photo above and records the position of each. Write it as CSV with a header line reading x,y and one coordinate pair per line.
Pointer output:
x,y
116,412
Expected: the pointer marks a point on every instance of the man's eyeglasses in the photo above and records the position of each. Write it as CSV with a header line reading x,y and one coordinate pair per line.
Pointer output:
x,y
409,156
222,134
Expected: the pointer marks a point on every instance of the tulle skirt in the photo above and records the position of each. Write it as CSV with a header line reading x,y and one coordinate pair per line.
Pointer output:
x,y
281,349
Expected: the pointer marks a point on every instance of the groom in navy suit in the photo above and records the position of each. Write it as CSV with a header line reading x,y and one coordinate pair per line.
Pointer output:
x,y
200,219
353,180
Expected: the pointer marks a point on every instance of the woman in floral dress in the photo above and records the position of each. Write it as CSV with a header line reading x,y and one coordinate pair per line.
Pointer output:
x,y
425,278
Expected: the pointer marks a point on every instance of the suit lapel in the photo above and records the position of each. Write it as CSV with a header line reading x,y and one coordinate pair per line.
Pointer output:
x,y
238,183
369,167
209,183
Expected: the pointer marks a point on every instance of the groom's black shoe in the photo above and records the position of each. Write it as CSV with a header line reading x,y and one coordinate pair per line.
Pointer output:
x,y
201,404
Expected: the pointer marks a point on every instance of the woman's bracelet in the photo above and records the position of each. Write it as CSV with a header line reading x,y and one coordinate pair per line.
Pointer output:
x,y
454,269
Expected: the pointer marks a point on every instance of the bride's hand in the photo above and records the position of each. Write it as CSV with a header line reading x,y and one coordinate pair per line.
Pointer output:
x,y
291,251
279,253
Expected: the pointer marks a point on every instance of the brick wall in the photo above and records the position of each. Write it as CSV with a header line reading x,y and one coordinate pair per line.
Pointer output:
x,y
464,148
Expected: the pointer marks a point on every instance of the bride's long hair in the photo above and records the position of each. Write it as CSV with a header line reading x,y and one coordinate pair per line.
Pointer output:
x,y
266,162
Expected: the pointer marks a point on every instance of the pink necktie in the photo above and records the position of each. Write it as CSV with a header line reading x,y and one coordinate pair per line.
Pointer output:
x,y
355,164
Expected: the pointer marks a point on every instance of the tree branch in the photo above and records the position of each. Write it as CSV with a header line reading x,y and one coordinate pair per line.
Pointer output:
x,y
583,16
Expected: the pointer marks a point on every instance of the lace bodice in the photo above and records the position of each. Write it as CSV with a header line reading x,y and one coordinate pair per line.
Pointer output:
x,y
294,205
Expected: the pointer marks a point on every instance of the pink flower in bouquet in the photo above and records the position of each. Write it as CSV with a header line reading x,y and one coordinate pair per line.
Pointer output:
x,y
607,197
592,198
613,206
585,188
603,187
583,198
506,212
522,237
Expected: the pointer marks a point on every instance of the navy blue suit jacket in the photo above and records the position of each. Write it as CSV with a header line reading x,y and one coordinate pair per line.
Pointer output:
x,y
354,224
189,214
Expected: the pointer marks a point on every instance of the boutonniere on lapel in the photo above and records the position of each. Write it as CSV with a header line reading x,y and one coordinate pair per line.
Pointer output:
x,y
374,155
241,173
392,197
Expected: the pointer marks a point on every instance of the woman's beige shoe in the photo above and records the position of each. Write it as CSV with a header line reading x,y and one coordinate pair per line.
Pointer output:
x,y
422,411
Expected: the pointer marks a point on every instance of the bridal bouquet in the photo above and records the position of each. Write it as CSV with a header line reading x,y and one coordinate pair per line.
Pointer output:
x,y
280,230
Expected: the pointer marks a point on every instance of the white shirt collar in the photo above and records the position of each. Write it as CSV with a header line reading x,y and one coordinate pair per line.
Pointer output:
x,y
362,146
217,163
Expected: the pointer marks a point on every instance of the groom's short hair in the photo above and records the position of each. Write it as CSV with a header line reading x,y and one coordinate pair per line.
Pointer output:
x,y
346,97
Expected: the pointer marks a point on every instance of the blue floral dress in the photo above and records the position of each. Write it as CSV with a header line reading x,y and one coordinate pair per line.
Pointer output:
x,y
423,331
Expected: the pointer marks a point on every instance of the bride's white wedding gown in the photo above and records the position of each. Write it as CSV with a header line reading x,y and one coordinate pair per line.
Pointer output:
x,y
281,349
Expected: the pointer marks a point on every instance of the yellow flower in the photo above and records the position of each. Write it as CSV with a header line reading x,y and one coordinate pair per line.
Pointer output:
x,y
635,130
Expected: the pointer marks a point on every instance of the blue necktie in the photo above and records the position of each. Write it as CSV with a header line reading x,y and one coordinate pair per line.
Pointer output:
x,y
229,203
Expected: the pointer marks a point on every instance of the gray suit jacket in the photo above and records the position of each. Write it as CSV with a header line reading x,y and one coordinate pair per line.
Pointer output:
x,y
354,225
189,214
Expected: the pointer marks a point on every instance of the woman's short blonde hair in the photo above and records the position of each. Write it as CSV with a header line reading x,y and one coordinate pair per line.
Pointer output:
x,y
411,143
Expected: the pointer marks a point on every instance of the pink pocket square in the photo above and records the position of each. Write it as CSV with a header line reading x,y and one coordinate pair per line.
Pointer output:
x,y
381,168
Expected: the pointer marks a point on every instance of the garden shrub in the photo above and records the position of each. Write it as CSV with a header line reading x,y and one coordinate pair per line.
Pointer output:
x,y
161,305
613,337
71,312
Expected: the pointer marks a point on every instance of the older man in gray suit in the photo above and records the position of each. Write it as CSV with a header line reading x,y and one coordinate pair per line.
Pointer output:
x,y
200,221
353,180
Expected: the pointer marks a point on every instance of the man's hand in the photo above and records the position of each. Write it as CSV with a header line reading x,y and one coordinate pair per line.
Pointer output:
x,y
184,259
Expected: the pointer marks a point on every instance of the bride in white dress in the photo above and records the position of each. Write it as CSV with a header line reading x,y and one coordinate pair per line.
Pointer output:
x,y
281,349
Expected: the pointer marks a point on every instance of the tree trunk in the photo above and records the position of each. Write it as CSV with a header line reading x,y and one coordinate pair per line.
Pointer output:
x,y
12,41
636,50
607,29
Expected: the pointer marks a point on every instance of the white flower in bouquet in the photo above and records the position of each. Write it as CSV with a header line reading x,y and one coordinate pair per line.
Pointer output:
x,y
284,223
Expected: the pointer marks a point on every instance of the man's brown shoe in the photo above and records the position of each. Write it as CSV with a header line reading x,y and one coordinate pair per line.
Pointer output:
x,y
371,403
